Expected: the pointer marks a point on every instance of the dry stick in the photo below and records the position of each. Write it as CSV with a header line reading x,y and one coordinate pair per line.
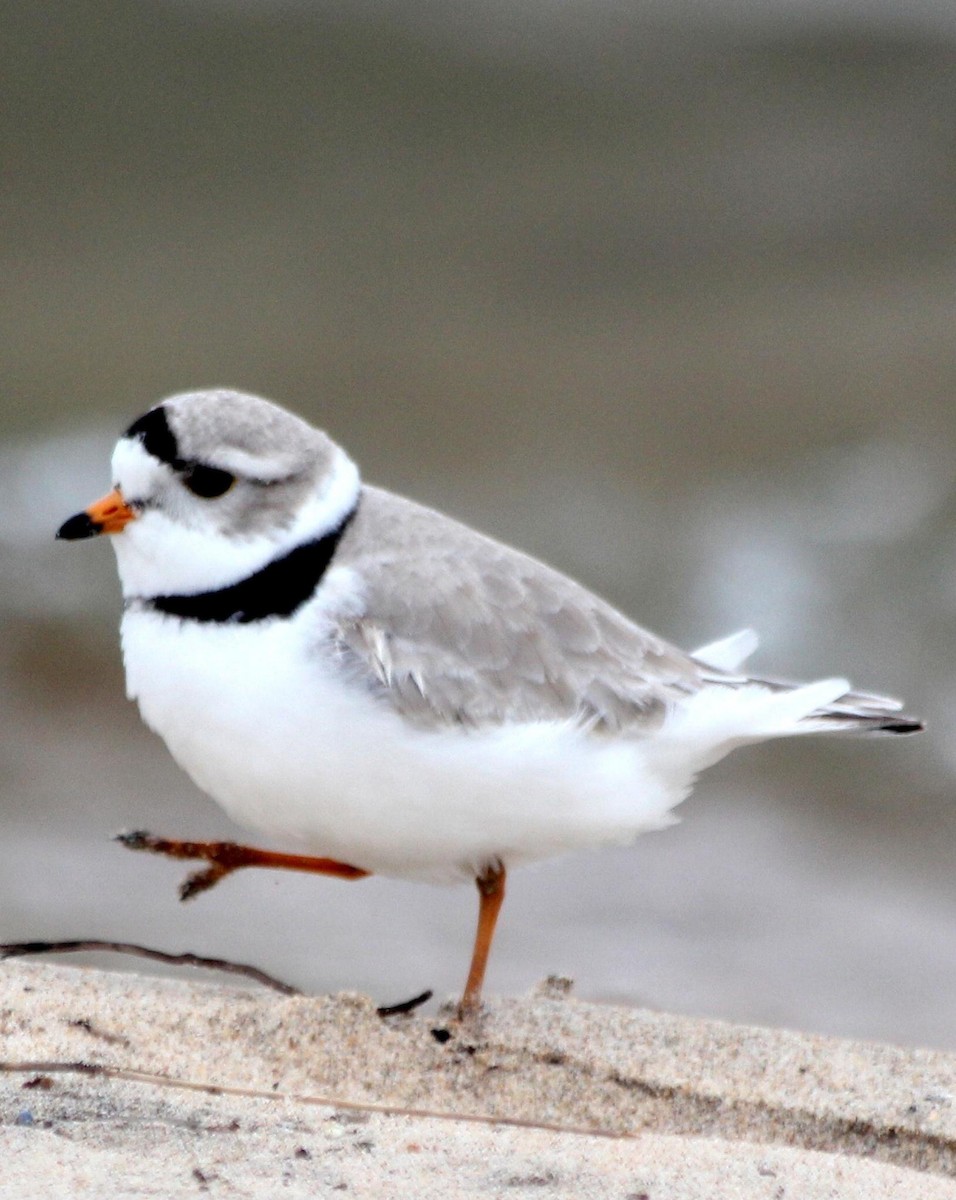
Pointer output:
x,y
17,949
404,1006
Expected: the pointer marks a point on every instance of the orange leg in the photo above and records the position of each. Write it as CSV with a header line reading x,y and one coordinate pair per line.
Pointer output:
x,y
491,893
226,857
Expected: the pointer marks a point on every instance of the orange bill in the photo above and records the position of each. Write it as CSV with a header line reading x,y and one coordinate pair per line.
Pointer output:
x,y
111,514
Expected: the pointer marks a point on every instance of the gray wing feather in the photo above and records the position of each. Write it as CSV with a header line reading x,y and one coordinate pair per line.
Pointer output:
x,y
455,628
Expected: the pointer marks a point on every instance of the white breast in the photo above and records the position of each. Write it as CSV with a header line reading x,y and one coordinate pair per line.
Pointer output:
x,y
290,746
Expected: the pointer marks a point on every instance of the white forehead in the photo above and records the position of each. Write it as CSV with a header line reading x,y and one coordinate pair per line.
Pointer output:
x,y
135,471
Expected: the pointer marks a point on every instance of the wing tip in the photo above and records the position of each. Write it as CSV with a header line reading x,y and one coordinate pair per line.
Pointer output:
x,y
902,725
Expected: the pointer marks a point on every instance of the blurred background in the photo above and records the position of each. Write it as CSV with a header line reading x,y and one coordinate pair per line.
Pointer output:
x,y
663,293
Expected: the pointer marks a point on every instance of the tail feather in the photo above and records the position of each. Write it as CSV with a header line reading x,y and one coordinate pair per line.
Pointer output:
x,y
731,710
780,707
730,653
838,719
862,712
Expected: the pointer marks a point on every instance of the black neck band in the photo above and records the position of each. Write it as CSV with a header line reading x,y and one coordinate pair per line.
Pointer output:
x,y
276,591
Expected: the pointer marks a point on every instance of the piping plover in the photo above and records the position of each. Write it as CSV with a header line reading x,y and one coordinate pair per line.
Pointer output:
x,y
359,677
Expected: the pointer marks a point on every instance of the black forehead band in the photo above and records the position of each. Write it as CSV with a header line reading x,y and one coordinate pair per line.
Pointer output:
x,y
158,439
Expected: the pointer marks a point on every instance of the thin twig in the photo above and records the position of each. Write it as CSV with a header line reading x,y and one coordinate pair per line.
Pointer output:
x,y
17,949
129,1075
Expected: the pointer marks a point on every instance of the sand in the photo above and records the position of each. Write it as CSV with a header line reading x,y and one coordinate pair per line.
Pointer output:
x,y
120,1085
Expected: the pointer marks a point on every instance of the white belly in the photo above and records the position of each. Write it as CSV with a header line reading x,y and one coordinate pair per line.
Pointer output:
x,y
291,747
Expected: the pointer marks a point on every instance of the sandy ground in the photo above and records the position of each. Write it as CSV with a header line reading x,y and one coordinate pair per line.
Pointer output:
x,y
121,1085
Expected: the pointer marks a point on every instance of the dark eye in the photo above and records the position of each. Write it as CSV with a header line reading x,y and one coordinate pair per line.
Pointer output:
x,y
208,482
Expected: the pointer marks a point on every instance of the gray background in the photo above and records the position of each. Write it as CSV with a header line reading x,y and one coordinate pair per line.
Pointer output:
x,y
668,303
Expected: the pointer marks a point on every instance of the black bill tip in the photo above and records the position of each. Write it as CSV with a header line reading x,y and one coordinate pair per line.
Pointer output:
x,y
78,527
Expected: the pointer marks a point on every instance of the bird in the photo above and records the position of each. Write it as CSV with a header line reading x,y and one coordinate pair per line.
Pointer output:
x,y
381,689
